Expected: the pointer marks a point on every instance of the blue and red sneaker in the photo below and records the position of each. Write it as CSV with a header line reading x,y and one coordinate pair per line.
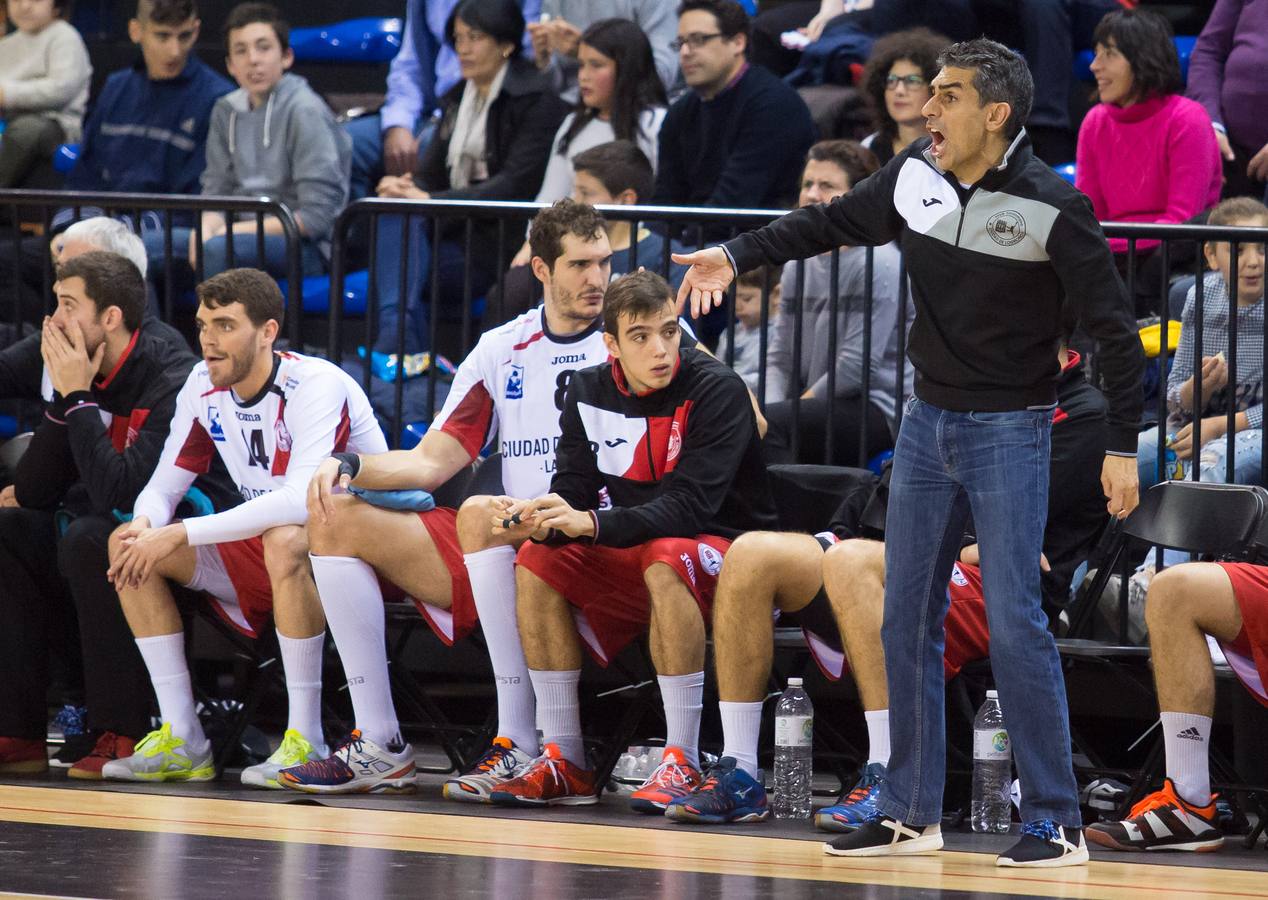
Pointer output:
x,y
854,807
358,766
727,794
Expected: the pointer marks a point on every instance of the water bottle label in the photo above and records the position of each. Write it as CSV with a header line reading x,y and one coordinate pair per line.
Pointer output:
x,y
794,731
991,744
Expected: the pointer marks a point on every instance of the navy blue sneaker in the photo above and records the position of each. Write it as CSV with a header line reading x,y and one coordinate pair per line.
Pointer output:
x,y
1045,844
856,806
728,794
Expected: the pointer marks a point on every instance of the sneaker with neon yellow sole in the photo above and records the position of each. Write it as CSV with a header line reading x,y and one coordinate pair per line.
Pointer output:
x,y
162,756
295,750
502,762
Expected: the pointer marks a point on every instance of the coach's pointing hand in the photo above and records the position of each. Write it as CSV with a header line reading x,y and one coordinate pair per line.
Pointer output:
x,y
706,281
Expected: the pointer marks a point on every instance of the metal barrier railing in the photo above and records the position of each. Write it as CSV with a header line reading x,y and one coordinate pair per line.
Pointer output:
x,y
134,208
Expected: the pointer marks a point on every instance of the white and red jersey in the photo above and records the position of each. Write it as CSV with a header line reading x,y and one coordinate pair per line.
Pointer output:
x,y
270,443
513,384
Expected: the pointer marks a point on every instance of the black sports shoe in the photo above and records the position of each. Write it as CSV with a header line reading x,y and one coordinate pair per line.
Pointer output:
x,y
73,749
1045,845
882,836
1162,821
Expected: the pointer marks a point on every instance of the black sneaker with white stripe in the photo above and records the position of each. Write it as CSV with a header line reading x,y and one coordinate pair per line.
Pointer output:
x,y
1045,844
882,836
1163,821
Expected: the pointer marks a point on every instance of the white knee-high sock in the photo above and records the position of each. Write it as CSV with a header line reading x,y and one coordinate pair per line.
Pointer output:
x,y
492,574
560,711
353,603
877,736
301,662
1186,738
683,697
741,725
164,657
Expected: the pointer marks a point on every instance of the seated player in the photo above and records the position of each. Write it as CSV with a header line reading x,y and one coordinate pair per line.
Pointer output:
x,y
838,596
658,469
271,418
1229,602
451,564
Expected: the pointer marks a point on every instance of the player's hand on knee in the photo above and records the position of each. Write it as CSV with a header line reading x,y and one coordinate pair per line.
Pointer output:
x,y
321,504
512,518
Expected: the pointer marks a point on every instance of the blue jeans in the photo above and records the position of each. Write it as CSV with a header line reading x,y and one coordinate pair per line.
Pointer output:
x,y
216,257
996,465
1247,456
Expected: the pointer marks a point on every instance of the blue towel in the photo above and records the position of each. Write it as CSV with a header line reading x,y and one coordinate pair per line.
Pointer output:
x,y
411,500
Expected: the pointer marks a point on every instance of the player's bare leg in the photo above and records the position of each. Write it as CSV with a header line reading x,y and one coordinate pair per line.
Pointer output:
x,y
854,578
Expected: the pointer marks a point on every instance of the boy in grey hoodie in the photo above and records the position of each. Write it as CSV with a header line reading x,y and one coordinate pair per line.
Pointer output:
x,y
273,137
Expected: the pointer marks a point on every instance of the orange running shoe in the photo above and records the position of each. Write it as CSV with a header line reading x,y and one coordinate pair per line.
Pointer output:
x,y
1162,821
550,780
673,778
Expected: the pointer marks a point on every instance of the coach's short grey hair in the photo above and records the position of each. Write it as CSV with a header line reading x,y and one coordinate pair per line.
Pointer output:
x,y
111,236
1001,77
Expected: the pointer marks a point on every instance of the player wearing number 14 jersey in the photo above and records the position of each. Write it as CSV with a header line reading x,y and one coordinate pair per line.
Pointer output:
x,y
272,418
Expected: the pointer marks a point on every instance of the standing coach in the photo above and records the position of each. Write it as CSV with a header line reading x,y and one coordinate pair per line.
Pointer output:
x,y
995,244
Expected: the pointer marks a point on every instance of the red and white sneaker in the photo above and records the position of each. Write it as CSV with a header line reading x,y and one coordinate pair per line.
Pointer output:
x,y
500,763
673,778
110,746
1162,821
19,756
550,780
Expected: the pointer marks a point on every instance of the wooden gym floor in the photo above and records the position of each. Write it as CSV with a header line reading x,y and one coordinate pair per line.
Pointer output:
x,y
63,838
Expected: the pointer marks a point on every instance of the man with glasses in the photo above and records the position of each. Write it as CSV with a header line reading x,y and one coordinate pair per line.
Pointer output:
x,y
738,137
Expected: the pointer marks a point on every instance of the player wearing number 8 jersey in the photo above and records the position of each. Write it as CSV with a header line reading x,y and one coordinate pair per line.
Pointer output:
x,y
272,418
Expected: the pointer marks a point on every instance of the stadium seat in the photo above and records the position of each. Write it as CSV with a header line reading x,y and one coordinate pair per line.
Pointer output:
x,y
315,292
65,157
1184,49
371,41
1066,171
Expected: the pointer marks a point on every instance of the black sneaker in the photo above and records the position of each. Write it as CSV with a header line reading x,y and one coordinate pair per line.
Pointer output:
x,y
73,749
1045,845
882,836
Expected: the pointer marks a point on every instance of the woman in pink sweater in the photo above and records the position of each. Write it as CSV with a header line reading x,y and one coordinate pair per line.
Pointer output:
x,y
1146,153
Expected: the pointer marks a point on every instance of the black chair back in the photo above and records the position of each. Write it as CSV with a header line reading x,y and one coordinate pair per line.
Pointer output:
x,y
1220,520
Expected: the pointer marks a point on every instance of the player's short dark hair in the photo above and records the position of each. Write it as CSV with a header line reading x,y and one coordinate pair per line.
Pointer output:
x,y
245,14
732,19
166,12
619,166
1001,76
502,20
756,278
109,280
1145,38
636,295
550,226
255,290
851,157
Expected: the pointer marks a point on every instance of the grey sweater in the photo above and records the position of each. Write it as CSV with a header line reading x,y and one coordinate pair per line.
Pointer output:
x,y
288,148
782,382
47,74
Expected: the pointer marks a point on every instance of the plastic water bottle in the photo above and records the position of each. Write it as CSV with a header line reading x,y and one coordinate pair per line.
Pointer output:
x,y
794,737
992,769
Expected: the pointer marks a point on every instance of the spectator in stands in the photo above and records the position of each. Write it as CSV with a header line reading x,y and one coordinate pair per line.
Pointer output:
x,y
147,131
109,384
896,81
558,32
1226,77
1247,391
749,288
492,143
736,139
44,73
275,137
835,592
112,236
1187,605
681,488
832,169
251,560
1146,153
621,98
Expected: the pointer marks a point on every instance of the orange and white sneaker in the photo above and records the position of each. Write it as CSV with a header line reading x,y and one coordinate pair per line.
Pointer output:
x,y
500,763
549,780
673,778
1162,821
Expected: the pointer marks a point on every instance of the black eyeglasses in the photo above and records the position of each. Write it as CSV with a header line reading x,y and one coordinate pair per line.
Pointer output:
x,y
911,81
694,41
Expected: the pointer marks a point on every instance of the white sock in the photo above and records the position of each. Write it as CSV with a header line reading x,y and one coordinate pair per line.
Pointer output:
x,y
301,663
683,697
492,574
877,736
164,657
741,724
353,602
1186,738
560,711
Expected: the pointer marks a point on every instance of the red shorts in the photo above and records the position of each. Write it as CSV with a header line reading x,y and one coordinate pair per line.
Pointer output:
x,y
605,584
456,622
967,637
234,575
1247,654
